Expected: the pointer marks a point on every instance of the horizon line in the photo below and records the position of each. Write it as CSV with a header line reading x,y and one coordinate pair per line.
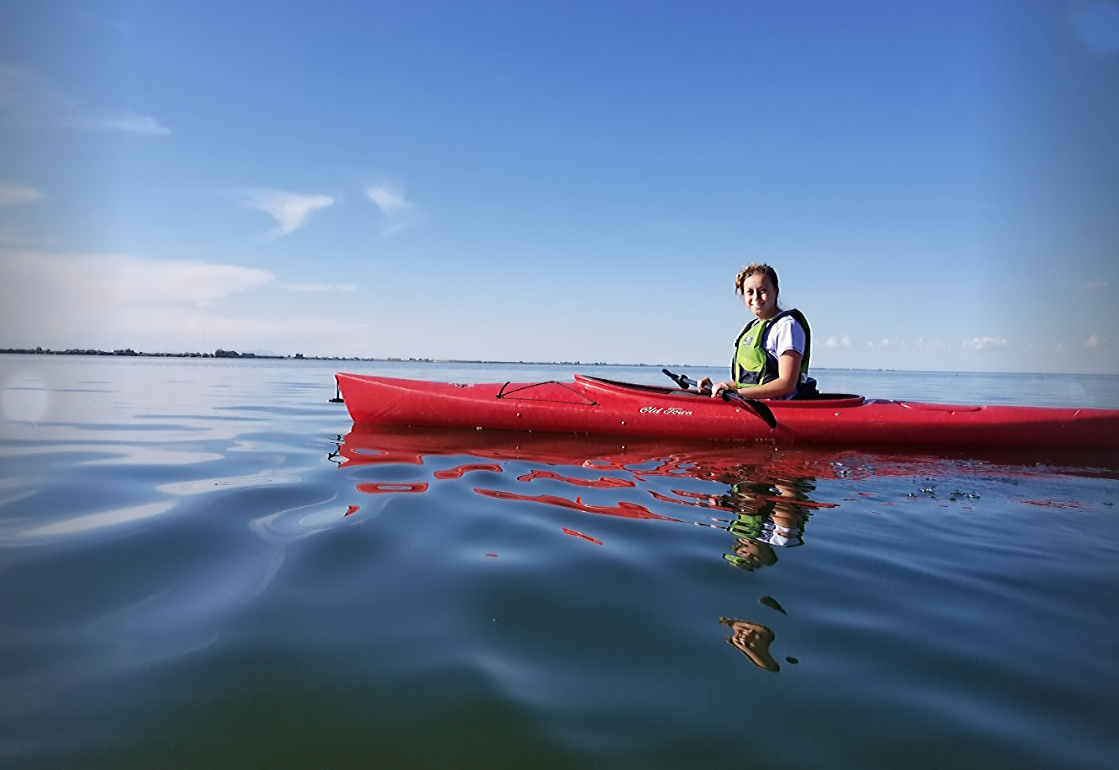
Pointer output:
x,y
232,354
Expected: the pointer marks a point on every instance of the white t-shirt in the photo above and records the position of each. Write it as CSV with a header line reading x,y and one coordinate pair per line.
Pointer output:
x,y
784,335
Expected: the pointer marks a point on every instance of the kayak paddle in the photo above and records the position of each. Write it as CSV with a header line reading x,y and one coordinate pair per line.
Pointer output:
x,y
758,407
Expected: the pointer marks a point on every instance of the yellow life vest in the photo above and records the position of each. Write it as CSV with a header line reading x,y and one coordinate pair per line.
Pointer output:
x,y
752,363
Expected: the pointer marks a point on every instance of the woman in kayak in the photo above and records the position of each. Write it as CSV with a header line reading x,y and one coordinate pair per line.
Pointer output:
x,y
771,354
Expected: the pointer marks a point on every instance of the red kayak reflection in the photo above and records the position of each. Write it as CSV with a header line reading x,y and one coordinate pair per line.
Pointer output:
x,y
761,494
374,445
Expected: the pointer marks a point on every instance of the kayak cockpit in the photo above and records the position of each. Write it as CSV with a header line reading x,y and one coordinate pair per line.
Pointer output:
x,y
818,401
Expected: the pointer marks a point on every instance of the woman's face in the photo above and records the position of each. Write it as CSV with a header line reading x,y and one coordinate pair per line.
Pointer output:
x,y
760,295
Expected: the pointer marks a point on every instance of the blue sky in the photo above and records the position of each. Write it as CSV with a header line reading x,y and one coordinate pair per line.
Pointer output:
x,y
935,181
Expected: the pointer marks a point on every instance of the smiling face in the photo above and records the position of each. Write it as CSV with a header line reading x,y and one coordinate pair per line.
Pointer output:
x,y
760,295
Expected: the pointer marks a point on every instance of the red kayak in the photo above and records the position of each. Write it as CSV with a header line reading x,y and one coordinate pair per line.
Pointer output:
x,y
596,406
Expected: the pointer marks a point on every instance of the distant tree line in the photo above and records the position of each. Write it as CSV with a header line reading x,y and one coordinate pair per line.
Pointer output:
x,y
219,353
222,353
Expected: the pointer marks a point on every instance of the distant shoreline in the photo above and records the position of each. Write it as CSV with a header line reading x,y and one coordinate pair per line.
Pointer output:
x,y
220,353
228,354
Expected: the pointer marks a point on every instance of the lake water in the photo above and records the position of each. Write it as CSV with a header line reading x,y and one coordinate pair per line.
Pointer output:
x,y
204,563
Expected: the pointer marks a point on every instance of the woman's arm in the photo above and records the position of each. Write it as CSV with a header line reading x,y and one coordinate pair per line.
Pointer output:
x,y
788,375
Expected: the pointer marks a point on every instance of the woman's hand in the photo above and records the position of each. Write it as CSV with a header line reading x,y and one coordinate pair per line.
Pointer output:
x,y
718,390
788,374
704,385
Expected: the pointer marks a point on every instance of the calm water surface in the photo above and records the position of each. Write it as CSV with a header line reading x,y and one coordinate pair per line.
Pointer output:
x,y
205,564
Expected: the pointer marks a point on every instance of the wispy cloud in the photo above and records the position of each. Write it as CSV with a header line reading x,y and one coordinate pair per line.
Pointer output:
x,y
28,98
18,193
884,343
107,301
1097,284
77,299
985,343
1095,341
399,212
923,344
126,121
290,210
318,287
120,279
391,202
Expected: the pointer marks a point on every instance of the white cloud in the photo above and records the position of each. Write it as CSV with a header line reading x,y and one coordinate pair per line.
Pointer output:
x,y
28,98
109,301
391,202
985,343
126,121
884,343
1096,341
836,342
399,212
290,210
116,279
18,193
1097,284
64,300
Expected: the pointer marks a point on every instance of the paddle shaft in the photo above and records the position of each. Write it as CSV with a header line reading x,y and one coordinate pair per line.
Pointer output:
x,y
760,409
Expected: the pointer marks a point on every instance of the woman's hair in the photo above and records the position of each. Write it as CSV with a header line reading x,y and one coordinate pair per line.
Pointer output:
x,y
753,269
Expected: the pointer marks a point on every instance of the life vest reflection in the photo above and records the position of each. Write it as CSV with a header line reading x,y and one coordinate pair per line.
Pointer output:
x,y
766,517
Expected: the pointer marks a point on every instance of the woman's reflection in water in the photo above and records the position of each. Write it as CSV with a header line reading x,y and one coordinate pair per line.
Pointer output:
x,y
766,515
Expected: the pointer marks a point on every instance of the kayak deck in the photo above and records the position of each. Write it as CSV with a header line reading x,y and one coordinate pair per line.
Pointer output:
x,y
593,405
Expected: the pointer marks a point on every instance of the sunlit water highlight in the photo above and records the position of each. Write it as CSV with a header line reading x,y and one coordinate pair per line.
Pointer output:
x,y
205,563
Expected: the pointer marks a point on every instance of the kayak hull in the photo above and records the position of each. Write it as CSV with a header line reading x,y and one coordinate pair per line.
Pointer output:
x,y
591,405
